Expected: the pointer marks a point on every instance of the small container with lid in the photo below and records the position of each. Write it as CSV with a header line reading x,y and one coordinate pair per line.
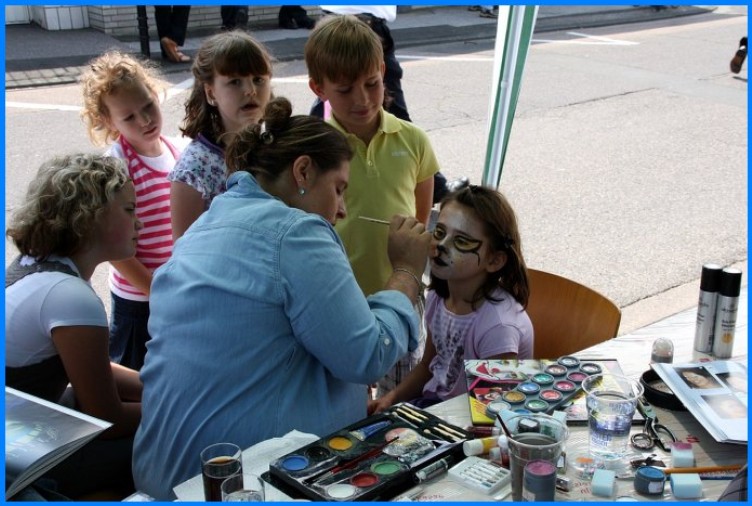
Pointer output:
x,y
663,351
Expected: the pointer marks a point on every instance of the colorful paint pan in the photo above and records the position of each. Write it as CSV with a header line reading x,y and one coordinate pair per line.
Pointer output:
x,y
387,467
364,480
564,386
513,397
318,453
576,377
528,388
495,407
550,395
569,362
556,370
590,368
543,378
341,491
294,463
340,443
522,411
536,405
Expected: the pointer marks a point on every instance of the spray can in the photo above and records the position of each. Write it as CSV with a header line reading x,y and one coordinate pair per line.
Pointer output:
x,y
706,307
725,320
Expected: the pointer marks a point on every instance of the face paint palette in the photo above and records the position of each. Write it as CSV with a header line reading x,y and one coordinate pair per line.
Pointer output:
x,y
531,386
374,459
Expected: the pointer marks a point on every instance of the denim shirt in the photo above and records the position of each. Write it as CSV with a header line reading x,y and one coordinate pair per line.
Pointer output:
x,y
258,327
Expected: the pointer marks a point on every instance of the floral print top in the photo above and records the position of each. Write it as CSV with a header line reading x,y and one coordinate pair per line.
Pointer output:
x,y
202,167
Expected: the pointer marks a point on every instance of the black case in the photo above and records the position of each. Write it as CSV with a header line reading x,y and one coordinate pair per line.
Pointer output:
x,y
306,482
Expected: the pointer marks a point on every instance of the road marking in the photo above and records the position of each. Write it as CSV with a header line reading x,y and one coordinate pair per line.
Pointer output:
x,y
445,58
586,39
44,107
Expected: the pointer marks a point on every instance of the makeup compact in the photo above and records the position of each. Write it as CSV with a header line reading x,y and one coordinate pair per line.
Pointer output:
x,y
376,458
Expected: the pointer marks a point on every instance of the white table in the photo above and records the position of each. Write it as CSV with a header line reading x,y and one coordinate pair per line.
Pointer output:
x,y
633,352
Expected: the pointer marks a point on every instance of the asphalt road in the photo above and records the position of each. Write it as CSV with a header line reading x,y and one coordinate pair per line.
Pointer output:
x,y
627,162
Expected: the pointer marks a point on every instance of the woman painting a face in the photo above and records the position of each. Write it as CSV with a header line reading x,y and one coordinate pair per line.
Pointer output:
x,y
259,326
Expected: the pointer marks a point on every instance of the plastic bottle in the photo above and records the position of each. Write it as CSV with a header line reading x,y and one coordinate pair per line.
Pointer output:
x,y
479,446
725,320
706,307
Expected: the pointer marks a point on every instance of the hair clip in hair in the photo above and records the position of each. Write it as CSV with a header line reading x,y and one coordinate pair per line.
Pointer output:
x,y
266,136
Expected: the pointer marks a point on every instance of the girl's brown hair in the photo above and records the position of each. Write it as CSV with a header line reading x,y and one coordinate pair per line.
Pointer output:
x,y
271,147
500,223
64,202
227,53
107,74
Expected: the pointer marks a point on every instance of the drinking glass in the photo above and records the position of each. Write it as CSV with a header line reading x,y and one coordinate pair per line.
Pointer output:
x,y
243,487
611,401
219,461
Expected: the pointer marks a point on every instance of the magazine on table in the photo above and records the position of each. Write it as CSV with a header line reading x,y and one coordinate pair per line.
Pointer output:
x,y
714,392
488,380
39,435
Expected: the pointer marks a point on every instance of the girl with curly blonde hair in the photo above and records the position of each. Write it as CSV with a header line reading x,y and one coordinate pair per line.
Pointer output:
x,y
121,104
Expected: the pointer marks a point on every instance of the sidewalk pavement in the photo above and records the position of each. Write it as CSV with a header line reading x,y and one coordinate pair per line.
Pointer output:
x,y
37,57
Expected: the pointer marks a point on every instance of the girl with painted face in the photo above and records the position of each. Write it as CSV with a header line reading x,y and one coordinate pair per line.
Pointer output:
x,y
475,308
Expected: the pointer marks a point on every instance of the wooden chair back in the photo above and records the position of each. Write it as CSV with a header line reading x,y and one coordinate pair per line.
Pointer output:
x,y
568,317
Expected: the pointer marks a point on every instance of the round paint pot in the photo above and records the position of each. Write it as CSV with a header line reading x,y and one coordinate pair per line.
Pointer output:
x,y
564,386
536,405
341,491
387,467
550,395
569,362
590,368
293,463
317,453
495,407
340,443
513,397
576,377
543,379
649,480
522,411
556,370
364,480
528,388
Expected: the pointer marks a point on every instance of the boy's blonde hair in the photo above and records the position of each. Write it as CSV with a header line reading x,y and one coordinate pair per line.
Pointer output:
x,y
342,48
64,202
108,74
227,53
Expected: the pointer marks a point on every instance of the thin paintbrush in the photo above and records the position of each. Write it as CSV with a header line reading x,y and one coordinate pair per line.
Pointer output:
x,y
374,220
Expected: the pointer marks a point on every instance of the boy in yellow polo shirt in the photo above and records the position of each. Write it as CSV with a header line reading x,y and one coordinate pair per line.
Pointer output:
x,y
394,163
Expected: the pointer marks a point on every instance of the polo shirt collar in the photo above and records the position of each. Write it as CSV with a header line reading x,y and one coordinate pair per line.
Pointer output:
x,y
388,124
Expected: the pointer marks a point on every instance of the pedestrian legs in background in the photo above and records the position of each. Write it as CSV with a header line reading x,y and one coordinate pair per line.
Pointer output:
x,y
172,24
741,54
293,17
234,16
487,11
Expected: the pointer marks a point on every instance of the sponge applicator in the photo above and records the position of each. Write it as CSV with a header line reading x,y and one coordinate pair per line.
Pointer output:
x,y
682,455
603,482
686,485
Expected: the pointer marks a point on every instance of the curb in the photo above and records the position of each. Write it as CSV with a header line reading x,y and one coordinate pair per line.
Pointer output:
x,y
33,72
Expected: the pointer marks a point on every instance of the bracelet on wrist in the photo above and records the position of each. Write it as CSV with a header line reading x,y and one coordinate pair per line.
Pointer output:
x,y
415,278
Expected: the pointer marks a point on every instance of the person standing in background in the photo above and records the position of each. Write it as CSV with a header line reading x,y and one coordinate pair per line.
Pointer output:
x,y
172,24
741,54
234,16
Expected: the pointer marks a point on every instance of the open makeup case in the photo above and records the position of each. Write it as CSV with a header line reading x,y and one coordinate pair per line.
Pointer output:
x,y
376,458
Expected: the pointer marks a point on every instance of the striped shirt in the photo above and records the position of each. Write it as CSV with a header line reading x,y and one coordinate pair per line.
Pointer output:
x,y
149,176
